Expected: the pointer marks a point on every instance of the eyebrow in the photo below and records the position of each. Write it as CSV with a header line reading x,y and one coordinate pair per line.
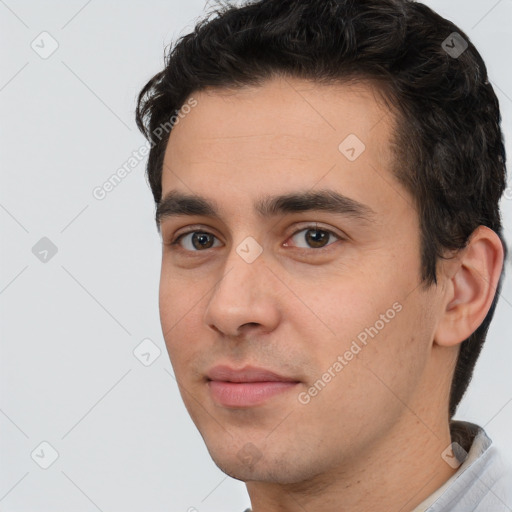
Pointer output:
x,y
176,203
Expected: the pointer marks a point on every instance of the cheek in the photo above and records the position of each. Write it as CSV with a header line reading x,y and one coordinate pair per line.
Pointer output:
x,y
365,313
342,305
178,305
372,381
384,344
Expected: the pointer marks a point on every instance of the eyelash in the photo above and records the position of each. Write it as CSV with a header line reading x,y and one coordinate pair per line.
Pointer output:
x,y
313,227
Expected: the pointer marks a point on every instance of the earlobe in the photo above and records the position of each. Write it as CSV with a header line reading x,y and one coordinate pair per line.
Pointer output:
x,y
471,287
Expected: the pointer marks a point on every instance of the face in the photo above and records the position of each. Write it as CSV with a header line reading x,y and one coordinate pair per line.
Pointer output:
x,y
297,332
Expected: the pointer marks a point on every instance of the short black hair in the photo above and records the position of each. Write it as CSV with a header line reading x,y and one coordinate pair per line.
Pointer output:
x,y
447,142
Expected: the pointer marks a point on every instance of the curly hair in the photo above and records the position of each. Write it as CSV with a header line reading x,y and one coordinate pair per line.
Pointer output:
x,y
448,144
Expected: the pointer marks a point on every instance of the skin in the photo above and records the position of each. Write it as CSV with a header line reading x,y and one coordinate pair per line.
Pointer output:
x,y
374,435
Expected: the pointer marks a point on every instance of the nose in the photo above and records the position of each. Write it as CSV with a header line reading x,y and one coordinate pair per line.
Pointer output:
x,y
244,299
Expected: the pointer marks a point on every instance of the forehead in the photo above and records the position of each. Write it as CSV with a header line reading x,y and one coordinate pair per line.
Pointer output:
x,y
285,134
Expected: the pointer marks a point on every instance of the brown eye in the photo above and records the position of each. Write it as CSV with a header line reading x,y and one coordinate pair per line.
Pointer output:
x,y
195,241
314,237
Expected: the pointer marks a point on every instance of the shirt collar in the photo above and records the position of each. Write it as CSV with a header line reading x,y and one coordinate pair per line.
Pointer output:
x,y
472,443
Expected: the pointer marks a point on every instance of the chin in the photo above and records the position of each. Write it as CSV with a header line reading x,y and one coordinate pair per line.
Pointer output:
x,y
279,471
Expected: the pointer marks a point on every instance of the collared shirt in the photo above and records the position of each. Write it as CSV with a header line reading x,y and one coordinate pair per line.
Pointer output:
x,y
482,483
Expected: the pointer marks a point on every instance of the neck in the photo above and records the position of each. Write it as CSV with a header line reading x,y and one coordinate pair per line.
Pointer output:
x,y
396,474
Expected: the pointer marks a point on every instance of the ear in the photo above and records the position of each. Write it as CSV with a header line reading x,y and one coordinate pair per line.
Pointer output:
x,y
470,287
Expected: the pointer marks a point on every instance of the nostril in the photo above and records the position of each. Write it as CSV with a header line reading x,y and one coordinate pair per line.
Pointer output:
x,y
251,324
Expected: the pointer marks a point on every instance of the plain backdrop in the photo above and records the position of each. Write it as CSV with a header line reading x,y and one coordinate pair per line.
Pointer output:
x,y
79,276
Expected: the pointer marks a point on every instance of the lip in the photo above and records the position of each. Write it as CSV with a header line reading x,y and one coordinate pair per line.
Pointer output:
x,y
246,374
246,387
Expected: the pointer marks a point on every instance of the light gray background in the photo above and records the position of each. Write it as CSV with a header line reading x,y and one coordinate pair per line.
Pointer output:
x,y
69,326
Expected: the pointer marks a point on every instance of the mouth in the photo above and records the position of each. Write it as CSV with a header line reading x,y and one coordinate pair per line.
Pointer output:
x,y
247,387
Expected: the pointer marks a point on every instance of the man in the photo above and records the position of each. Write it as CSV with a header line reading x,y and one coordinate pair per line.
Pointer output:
x,y
327,177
